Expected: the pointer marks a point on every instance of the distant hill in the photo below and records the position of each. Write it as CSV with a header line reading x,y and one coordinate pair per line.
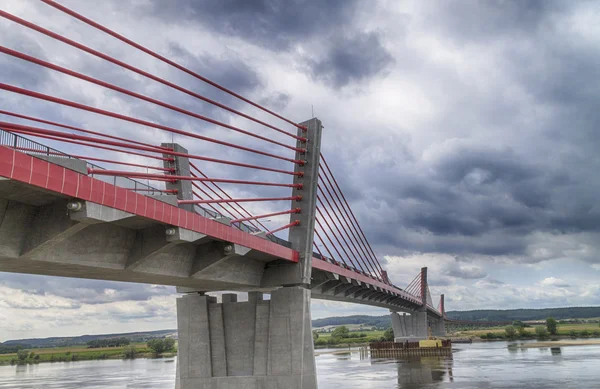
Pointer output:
x,y
526,314
369,321
476,315
83,339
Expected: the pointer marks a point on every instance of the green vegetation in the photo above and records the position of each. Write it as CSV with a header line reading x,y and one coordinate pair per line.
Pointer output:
x,y
551,325
526,314
511,332
115,342
379,322
11,346
81,353
342,336
159,346
541,332
130,352
562,330
388,335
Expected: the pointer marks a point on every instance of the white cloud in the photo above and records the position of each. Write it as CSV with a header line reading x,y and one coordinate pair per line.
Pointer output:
x,y
552,281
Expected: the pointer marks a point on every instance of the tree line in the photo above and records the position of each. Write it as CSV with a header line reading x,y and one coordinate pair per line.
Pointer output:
x,y
525,314
113,342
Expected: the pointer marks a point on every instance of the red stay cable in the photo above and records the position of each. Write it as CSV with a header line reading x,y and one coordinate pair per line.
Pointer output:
x,y
119,173
67,140
226,195
330,241
134,69
29,129
139,96
337,229
290,225
333,233
78,129
350,209
297,198
364,258
130,119
163,59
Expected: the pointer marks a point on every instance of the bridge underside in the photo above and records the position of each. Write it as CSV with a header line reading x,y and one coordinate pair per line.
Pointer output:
x,y
39,235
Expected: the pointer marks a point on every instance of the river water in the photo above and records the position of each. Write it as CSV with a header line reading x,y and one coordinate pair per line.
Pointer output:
x,y
479,365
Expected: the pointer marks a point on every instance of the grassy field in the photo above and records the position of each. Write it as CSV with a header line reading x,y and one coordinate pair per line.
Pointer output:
x,y
563,329
76,353
370,334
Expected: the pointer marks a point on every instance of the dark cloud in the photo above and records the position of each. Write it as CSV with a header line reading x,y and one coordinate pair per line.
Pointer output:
x,y
338,51
275,24
351,59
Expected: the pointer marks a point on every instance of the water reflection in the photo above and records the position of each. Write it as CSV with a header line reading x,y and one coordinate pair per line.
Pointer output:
x,y
415,373
472,366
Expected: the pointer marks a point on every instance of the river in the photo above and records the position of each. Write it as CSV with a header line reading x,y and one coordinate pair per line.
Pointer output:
x,y
478,365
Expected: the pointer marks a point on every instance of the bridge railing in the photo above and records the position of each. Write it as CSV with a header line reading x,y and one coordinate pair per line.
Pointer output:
x,y
37,149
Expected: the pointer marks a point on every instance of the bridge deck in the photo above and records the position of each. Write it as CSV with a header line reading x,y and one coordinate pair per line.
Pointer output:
x,y
63,245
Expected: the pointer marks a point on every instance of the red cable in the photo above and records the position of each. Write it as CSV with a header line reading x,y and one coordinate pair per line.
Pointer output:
x,y
59,134
119,173
292,224
210,205
319,251
138,71
155,190
338,231
139,96
296,210
226,195
352,213
163,59
297,198
363,247
94,159
358,256
330,241
72,104
332,232
62,139
79,129
372,268
219,197
325,246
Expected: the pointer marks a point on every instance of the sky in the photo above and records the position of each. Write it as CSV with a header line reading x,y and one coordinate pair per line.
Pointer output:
x,y
463,133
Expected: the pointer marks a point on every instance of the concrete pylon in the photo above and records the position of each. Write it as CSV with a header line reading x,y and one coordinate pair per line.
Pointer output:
x,y
182,168
259,344
301,236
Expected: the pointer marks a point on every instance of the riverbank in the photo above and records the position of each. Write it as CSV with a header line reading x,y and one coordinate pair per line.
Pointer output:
x,y
80,353
561,343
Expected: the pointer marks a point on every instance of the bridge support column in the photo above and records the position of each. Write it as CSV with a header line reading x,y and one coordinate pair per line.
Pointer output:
x,y
411,327
438,327
254,344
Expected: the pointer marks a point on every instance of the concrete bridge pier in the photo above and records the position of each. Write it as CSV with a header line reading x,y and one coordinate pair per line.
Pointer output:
x,y
253,344
438,327
410,327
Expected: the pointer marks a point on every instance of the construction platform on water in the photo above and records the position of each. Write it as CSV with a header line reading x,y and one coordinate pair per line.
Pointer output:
x,y
430,347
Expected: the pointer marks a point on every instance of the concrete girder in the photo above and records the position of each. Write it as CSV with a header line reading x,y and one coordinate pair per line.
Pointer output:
x,y
341,289
352,290
329,286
